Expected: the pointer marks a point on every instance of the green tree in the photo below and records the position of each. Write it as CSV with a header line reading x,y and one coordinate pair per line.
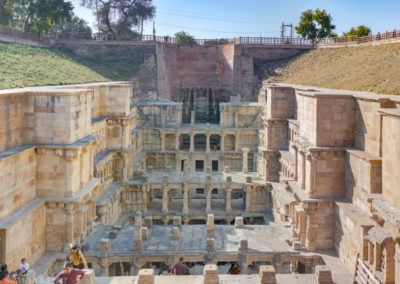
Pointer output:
x,y
119,17
359,31
185,38
6,11
315,24
40,16
76,28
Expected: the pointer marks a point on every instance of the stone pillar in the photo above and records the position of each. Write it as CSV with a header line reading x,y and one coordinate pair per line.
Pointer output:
x,y
186,199
243,267
243,245
378,254
177,141
208,143
390,262
370,253
210,274
104,245
192,117
222,142
104,266
69,228
247,194
323,275
210,226
303,170
138,234
162,141
125,167
208,194
146,276
191,143
245,159
228,196
296,162
145,197
89,277
165,199
267,275
239,222
236,141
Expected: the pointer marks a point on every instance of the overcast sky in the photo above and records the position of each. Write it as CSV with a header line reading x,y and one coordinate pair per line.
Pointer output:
x,y
232,18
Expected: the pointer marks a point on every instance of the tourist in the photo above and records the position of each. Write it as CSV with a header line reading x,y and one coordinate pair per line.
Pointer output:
x,y
189,269
127,268
69,275
23,267
233,269
179,268
4,268
7,278
77,257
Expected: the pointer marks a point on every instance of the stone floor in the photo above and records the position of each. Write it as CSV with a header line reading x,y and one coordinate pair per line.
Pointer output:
x,y
261,238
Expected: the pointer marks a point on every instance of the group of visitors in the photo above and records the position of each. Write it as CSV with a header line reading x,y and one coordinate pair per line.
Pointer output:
x,y
179,268
10,277
72,272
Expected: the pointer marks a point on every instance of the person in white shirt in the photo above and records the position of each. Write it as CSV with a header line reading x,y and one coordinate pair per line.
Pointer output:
x,y
23,267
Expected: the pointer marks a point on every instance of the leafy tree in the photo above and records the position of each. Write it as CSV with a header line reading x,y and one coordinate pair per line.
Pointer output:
x,y
315,24
76,28
41,15
359,31
185,38
6,11
221,41
120,16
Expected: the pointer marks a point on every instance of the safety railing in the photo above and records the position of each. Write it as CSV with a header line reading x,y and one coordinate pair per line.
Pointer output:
x,y
10,32
349,40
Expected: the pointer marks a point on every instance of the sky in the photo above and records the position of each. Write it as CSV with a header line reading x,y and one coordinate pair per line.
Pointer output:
x,y
234,18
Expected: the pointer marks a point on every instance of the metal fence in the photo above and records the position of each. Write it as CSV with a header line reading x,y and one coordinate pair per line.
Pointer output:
x,y
395,34
24,35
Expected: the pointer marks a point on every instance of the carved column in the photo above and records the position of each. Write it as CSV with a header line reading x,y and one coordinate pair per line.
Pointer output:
x,y
222,142
303,170
390,262
165,189
247,195
208,194
228,195
69,228
313,172
186,200
378,254
192,117
245,159
162,141
104,266
370,253
208,143
145,199
125,168
296,162
176,141
191,142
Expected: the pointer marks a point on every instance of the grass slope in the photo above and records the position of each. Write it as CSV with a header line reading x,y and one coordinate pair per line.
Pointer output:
x,y
362,68
23,66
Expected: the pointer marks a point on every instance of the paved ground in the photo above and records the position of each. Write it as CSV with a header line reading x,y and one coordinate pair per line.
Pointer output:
x,y
261,238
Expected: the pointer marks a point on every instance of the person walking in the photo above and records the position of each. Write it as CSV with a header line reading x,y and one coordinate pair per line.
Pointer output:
x,y
179,268
69,275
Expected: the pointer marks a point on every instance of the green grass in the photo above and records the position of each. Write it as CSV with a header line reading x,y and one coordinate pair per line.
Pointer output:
x,y
24,66
374,68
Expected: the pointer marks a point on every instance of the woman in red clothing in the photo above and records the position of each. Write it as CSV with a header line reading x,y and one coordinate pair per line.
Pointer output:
x,y
233,269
